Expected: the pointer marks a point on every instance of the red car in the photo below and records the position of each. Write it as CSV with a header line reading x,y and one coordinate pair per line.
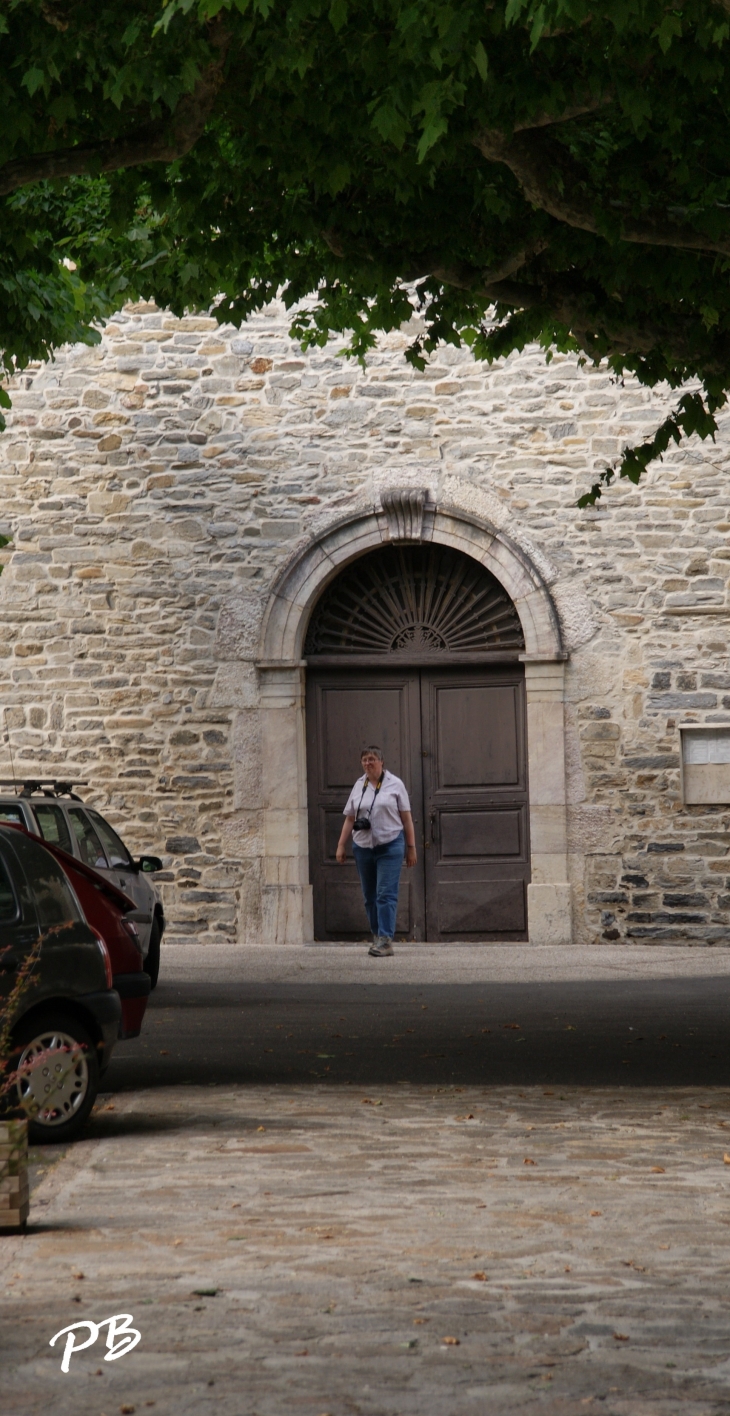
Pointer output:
x,y
111,913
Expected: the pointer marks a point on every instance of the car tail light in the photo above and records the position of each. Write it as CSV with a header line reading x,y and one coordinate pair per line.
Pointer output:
x,y
105,956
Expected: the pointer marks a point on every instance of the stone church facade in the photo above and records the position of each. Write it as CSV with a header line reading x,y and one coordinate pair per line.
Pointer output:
x,y
182,497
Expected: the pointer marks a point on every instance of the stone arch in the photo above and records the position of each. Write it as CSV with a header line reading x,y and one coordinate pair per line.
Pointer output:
x,y
404,515
308,572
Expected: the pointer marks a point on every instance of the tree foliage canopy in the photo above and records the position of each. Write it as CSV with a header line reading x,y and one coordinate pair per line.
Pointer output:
x,y
519,170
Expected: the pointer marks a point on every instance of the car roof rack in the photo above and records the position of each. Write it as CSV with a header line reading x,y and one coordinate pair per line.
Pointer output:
x,y
47,786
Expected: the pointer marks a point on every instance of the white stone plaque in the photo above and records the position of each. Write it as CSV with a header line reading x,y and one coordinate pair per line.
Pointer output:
x,y
706,765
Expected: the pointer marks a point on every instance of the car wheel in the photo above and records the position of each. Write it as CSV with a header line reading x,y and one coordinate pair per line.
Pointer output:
x,y
151,964
58,1092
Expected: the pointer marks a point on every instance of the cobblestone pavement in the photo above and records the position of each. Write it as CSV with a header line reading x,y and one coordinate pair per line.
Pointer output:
x,y
308,1243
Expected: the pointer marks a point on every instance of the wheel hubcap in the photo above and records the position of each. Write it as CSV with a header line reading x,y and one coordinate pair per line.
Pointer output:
x,y
54,1087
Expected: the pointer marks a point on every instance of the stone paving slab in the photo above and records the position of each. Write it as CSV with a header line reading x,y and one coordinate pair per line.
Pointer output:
x,y
573,1242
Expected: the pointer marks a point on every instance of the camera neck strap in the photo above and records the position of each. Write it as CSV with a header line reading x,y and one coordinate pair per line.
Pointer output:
x,y
376,789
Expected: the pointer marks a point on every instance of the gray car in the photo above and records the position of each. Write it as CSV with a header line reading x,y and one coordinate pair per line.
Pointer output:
x,y
54,812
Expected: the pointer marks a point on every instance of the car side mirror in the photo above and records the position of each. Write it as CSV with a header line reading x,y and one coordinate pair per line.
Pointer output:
x,y
149,864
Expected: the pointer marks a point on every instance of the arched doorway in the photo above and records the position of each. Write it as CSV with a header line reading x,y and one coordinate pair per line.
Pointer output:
x,y
417,647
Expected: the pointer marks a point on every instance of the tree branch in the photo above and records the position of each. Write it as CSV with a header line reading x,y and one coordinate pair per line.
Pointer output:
x,y
576,110
536,163
154,142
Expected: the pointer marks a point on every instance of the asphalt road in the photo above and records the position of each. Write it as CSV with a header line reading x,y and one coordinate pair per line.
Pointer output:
x,y
597,1032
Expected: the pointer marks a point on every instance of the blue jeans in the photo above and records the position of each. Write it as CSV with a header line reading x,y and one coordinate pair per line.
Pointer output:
x,y
379,869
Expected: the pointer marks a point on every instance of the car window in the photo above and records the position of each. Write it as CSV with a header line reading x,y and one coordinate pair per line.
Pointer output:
x,y
11,813
90,847
52,825
115,848
54,899
8,903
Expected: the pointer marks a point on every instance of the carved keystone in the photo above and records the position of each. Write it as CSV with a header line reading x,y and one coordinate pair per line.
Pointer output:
x,y
404,510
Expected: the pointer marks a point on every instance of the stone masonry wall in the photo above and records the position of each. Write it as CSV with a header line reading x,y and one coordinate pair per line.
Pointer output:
x,y
154,484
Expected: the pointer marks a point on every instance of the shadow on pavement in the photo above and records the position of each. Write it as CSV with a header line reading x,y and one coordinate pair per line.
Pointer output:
x,y
633,1033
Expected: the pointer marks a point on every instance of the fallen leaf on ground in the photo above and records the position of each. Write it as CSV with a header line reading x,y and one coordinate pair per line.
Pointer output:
x,y
658,1170
304,1353
570,1028
482,1277
513,1026
451,1341
527,1161
78,1275
164,1052
567,1269
480,1207
596,1214
418,1322
268,1049
621,1336
260,1128
126,1410
486,1030
176,1243
726,1158
468,1117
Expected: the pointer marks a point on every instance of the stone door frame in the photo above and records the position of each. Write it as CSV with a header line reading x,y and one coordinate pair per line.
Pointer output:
x,y
406,515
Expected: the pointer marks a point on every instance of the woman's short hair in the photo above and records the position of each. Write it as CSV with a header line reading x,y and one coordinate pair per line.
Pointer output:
x,y
376,751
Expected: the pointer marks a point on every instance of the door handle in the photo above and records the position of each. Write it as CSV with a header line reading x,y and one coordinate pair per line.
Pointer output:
x,y
432,823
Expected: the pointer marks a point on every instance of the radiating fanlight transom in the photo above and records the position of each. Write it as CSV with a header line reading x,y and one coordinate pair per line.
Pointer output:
x,y
408,600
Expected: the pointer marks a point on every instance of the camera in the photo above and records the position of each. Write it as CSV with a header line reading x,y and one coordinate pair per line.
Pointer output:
x,y
362,823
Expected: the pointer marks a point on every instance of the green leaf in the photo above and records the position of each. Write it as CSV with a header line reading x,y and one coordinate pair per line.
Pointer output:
x,y
32,80
480,59
338,14
669,29
433,130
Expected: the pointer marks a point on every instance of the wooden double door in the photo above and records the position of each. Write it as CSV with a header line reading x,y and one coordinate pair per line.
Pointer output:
x,y
457,739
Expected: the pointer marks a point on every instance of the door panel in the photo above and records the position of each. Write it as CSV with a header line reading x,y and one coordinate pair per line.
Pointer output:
x,y
465,906
353,717
475,802
346,710
481,833
477,729
345,912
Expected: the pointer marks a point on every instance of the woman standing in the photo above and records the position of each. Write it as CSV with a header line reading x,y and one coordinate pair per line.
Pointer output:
x,y
378,817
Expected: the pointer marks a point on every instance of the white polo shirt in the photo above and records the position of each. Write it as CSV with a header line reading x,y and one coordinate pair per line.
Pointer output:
x,y
382,807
